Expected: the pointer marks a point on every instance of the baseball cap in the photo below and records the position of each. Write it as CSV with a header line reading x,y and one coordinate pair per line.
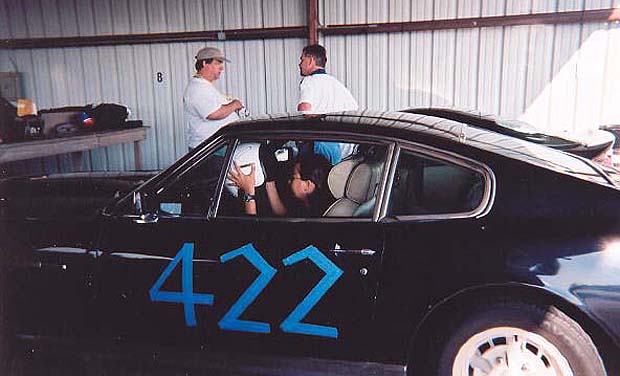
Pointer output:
x,y
211,53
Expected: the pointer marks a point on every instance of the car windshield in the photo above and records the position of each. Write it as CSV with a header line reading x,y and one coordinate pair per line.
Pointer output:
x,y
518,126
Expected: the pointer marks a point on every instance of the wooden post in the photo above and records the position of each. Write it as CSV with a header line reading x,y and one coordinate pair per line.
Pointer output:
x,y
313,35
137,155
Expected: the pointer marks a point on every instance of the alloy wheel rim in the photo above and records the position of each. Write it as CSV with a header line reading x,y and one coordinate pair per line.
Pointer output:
x,y
508,351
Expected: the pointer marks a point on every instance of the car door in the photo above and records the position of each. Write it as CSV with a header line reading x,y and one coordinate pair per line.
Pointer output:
x,y
322,302
159,271
307,286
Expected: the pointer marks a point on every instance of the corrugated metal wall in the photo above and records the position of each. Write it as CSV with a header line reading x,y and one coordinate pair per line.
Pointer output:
x,y
559,77
263,74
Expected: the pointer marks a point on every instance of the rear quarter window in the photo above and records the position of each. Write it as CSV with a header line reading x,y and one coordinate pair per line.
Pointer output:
x,y
425,186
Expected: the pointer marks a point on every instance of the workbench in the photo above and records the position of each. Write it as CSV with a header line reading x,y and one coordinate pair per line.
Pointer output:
x,y
74,144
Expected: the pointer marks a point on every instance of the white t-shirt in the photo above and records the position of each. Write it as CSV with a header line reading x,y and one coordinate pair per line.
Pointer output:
x,y
200,100
325,94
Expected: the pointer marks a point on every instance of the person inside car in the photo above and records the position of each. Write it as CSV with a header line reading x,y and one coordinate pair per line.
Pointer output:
x,y
306,184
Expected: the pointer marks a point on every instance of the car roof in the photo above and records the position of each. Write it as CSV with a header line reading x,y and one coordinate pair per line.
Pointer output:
x,y
441,129
420,124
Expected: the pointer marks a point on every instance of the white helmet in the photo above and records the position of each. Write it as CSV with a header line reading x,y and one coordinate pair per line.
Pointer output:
x,y
245,155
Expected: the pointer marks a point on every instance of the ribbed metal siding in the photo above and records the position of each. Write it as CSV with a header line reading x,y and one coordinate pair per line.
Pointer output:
x,y
558,77
263,74
564,76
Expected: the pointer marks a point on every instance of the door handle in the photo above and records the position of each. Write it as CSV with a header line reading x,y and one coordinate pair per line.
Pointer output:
x,y
360,252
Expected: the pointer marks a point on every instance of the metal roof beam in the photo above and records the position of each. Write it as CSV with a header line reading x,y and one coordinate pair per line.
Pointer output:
x,y
587,16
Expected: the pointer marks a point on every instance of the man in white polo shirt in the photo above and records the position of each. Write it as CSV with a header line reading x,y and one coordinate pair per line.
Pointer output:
x,y
205,109
322,93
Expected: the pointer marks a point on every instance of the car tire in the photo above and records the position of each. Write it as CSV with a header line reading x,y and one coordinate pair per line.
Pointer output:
x,y
519,336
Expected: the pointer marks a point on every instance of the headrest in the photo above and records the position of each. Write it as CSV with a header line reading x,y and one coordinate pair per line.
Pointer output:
x,y
351,179
358,188
339,175
245,154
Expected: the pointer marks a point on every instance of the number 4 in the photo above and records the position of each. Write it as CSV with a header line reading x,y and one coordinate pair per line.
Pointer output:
x,y
186,296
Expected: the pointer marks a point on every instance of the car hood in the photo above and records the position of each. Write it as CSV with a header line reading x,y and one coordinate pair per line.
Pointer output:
x,y
64,195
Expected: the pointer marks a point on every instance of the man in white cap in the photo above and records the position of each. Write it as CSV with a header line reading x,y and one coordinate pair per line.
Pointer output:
x,y
205,109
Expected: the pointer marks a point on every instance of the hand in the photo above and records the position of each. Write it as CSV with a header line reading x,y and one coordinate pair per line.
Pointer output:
x,y
225,110
243,182
236,103
267,155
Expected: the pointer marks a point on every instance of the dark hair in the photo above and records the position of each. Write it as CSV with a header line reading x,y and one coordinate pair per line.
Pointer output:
x,y
316,169
317,52
200,63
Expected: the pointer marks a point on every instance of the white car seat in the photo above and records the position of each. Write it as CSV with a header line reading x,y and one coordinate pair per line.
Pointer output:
x,y
354,184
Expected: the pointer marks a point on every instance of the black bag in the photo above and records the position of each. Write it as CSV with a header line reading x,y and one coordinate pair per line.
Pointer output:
x,y
109,116
9,129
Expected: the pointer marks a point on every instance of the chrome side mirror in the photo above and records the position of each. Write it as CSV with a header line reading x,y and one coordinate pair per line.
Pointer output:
x,y
137,203
143,217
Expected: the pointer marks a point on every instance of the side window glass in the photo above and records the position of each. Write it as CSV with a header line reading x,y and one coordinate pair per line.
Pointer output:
x,y
303,178
424,185
194,191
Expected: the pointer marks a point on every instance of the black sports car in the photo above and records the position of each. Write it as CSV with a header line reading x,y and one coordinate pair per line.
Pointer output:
x,y
444,249
594,144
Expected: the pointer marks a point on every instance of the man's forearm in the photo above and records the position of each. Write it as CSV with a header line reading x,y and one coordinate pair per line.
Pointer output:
x,y
223,111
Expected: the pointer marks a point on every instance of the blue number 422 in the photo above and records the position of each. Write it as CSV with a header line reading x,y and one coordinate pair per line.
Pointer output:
x,y
230,321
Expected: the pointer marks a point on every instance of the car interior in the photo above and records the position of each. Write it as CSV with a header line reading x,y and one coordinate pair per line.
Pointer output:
x,y
422,185
353,181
